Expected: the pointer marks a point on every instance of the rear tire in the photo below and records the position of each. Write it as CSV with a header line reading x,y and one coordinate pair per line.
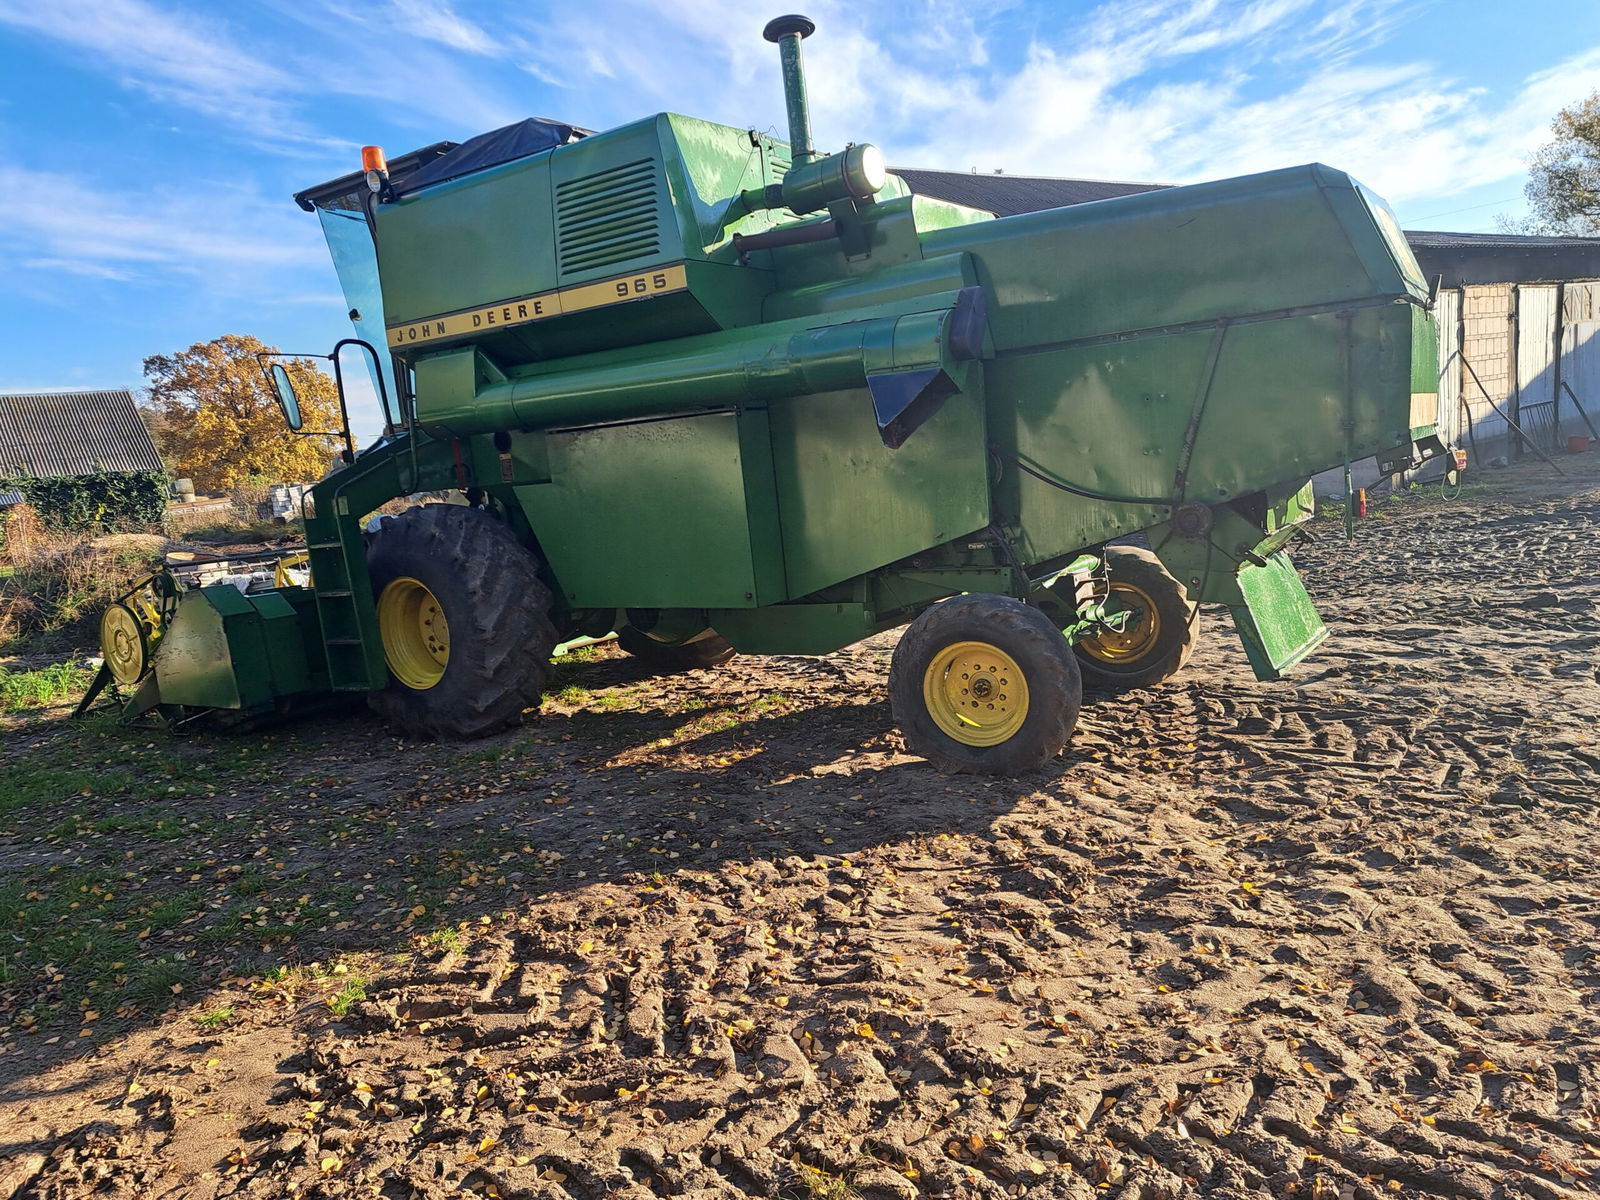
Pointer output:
x,y
1160,641
489,662
709,651
984,685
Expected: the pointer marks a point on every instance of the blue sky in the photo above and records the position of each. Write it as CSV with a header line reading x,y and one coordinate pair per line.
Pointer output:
x,y
149,148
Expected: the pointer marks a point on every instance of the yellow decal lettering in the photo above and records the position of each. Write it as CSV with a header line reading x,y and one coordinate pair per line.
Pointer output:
x,y
549,304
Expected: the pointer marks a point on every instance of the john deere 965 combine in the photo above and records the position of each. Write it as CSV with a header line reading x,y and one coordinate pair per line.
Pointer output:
x,y
717,393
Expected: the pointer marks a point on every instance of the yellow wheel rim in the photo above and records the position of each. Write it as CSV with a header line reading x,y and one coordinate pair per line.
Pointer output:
x,y
1134,642
122,641
975,693
416,637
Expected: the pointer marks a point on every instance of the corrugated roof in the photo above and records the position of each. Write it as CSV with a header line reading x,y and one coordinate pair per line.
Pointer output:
x,y
1009,195
1511,241
51,435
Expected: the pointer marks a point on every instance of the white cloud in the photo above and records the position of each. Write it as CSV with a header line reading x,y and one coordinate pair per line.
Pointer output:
x,y
223,237
437,22
1186,90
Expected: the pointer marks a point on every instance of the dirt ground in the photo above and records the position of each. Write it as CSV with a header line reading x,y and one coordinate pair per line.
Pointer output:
x,y
720,936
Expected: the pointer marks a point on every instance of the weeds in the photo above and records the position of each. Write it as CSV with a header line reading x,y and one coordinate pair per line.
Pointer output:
x,y
58,583
354,989
449,939
21,690
217,1018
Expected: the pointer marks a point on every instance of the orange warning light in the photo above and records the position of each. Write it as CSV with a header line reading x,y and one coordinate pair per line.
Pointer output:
x,y
372,159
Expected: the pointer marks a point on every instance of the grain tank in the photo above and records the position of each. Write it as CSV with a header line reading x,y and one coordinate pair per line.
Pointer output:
x,y
721,393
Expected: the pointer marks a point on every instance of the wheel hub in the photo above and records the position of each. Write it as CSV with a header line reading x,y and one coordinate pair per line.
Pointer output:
x,y
975,693
124,643
416,636
1136,638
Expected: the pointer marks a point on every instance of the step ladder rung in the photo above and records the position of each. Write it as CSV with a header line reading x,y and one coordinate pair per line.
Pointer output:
x,y
343,642
329,594
324,545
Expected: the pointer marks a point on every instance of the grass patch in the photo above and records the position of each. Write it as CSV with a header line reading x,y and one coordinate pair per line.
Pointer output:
x,y
20,690
217,1018
57,584
355,988
450,940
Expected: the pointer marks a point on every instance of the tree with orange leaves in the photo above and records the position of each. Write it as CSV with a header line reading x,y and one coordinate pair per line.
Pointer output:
x,y
219,423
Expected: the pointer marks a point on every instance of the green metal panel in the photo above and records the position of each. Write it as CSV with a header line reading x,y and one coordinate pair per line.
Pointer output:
x,y
285,638
194,663
228,650
1185,338
673,513
1424,351
1277,622
1176,257
709,165
509,257
610,204
849,505
468,242
895,285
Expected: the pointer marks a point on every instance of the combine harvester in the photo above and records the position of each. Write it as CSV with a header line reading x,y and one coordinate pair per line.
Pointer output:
x,y
716,393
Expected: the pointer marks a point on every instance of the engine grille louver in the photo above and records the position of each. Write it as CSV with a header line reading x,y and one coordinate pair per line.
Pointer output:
x,y
609,217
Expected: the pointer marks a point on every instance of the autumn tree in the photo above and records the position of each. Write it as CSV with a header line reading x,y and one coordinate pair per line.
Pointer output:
x,y
1564,177
219,422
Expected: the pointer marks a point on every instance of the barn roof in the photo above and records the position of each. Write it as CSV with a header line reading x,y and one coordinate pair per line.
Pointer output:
x,y
52,435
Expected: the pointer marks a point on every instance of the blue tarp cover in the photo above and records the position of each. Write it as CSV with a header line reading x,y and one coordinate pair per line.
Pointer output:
x,y
531,136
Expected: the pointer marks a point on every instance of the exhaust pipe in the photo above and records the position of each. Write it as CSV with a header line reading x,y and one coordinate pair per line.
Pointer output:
x,y
787,32
812,182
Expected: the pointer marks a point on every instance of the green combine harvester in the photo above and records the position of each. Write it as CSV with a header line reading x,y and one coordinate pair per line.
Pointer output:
x,y
715,394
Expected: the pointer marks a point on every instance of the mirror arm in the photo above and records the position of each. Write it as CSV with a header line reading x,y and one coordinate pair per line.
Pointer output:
x,y
348,454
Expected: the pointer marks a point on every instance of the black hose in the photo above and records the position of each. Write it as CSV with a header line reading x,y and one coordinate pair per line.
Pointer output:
x,y
1075,489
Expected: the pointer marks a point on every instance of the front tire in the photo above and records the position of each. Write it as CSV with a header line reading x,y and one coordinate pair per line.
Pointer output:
x,y
465,621
984,685
1159,640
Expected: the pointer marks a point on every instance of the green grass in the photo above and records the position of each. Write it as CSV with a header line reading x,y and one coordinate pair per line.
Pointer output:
x,y
21,690
217,1018
355,988
582,654
449,939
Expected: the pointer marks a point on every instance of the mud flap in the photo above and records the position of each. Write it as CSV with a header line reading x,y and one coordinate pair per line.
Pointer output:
x,y
1277,622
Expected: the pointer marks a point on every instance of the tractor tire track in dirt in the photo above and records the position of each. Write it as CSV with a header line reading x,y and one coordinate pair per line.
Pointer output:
x,y
1335,938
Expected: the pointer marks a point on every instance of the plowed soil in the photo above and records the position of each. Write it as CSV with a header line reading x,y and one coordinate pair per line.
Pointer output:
x,y
1332,938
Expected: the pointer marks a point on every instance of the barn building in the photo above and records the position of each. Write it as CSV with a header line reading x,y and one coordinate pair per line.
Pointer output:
x,y
67,435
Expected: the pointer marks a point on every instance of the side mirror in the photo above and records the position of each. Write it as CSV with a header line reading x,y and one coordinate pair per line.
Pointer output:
x,y
287,400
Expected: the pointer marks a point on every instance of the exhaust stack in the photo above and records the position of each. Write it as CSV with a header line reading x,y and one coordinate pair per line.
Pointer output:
x,y
787,32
